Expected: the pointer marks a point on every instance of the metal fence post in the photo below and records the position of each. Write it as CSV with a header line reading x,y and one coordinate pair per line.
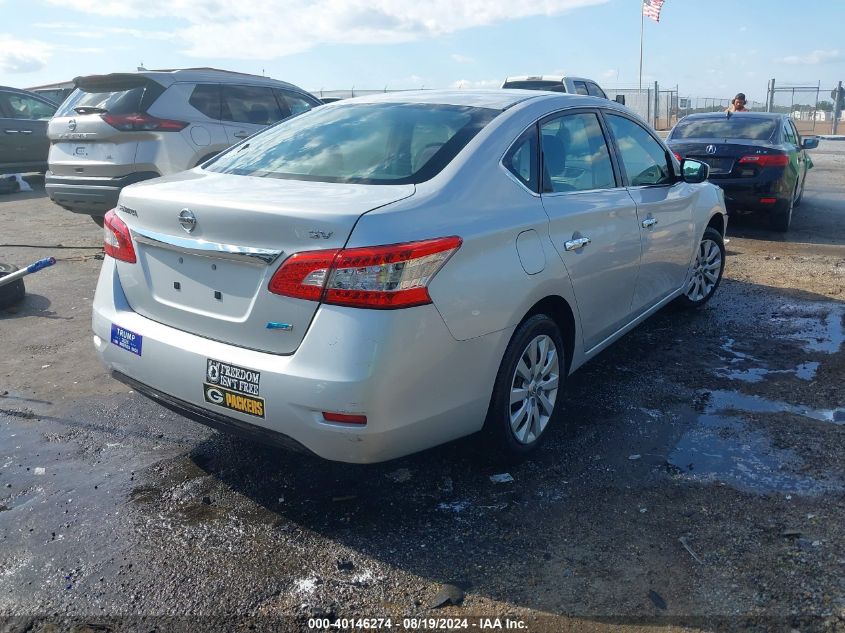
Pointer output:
x,y
837,108
770,98
656,104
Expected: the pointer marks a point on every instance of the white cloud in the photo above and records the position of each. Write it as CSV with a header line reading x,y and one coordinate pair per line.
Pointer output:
x,y
461,59
87,31
610,73
23,56
464,84
816,57
257,29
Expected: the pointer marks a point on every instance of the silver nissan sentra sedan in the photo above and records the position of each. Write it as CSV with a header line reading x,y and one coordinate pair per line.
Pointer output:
x,y
384,274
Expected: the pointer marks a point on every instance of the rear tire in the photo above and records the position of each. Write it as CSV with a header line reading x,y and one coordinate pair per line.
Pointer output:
x,y
782,218
12,293
707,270
99,220
528,389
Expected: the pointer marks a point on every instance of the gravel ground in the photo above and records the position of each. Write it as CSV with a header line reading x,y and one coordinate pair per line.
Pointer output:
x,y
697,484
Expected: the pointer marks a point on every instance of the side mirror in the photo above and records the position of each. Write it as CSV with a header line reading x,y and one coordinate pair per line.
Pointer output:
x,y
620,99
694,171
810,143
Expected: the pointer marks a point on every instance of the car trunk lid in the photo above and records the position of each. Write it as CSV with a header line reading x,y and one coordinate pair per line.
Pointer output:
x,y
212,280
723,154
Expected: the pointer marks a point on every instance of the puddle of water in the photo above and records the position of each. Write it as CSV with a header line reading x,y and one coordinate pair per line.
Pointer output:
x,y
724,449
735,401
818,326
804,371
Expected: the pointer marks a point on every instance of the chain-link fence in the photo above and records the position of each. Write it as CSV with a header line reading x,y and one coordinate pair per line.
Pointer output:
x,y
658,107
814,109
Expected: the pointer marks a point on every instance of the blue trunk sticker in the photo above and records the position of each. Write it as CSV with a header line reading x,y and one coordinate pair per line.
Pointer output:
x,y
126,339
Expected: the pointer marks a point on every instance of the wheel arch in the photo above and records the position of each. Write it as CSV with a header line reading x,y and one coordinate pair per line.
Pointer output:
x,y
561,312
717,221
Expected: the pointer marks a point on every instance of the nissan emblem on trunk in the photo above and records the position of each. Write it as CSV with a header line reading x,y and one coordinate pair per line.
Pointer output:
x,y
71,125
188,220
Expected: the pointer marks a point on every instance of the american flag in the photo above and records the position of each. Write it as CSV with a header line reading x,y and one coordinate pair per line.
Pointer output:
x,y
651,9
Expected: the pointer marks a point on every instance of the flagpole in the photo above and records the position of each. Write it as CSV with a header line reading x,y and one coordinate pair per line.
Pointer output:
x,y
642,27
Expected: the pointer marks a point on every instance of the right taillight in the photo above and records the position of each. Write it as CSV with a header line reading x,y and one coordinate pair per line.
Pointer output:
x,y
765,160
117,242
142,122
380,277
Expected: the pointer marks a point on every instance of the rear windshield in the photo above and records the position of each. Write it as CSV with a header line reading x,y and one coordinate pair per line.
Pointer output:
x,y
115,96
738,126
386,143
554,86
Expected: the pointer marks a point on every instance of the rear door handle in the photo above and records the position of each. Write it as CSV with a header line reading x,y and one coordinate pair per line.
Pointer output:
x,y
577,244
11,131
241,134
650,222
26,131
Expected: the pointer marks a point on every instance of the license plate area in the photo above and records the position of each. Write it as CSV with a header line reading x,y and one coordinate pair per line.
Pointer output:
x,y
209,286
717,165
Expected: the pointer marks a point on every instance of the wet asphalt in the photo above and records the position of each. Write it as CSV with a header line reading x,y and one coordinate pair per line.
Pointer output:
x,y
697,480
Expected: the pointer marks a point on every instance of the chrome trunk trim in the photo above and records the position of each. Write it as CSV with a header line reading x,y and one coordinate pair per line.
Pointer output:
x,y
204,248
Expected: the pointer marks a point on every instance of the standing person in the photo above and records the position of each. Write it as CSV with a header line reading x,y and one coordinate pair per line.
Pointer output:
x,y
738,104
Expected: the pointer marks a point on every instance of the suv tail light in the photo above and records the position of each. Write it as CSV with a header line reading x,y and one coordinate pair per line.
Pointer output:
x,y
141,122
380,277
117,242
765,160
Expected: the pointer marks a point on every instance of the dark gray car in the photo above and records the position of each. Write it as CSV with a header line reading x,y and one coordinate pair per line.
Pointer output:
x,y
24,145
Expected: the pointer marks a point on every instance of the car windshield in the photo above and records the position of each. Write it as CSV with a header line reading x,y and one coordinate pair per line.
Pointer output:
x,y
738,126
385,143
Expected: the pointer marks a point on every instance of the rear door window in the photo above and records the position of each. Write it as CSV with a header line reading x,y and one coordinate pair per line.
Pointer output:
x,y
788,135
580,88
250,104
575,154
206,99
644,159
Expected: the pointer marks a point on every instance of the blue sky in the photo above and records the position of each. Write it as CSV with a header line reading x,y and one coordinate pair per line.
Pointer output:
x,y
714,48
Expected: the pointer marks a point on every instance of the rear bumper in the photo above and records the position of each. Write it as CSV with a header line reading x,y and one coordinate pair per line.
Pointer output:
x,y
742,195
416,384
90,195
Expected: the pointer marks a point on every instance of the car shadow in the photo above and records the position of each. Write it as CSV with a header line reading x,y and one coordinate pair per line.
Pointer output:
x,y
32,305
589,525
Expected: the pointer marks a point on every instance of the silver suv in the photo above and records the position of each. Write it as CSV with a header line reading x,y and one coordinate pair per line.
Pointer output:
x,y
118,129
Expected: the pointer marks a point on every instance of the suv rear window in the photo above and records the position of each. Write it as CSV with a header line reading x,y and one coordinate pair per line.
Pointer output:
x,y
554,86
393,143
737,126
123,95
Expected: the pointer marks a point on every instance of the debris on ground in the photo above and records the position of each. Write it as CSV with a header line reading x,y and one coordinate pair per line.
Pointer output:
x,y
448,594
502,478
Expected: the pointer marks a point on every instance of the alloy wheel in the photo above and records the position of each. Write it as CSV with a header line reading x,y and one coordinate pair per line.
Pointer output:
x,y
534,388
705,272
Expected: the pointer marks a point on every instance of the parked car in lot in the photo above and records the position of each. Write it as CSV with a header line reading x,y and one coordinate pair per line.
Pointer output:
x,y
558,83
119,129
758,159
23,131
387,273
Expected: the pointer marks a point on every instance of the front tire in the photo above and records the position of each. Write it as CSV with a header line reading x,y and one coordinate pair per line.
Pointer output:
x,y
706,270
12,293
527,393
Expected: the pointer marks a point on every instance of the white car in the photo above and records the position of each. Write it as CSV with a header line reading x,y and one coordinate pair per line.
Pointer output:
x,y
384,274
118,129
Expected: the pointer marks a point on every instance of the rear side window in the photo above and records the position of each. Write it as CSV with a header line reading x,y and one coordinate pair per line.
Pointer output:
x,y
296,104
575,154
788,135
644,159
250,104
374,143
595,91
113,95
206,99
580,88
740,125
522,159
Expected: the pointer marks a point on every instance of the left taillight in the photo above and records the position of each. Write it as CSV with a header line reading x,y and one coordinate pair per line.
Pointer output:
x,y
142,122
117,242
379,277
